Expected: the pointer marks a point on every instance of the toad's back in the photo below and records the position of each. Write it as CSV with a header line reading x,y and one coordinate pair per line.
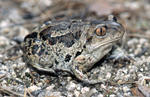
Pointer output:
x,y
55,44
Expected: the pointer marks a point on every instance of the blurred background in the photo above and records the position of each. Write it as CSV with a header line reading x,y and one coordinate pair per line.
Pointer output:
x,y
18,17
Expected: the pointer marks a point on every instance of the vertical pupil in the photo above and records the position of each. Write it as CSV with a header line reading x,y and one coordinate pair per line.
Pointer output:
x,y
101,31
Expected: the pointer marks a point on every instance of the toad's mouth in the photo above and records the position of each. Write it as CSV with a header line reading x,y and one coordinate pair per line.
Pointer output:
x,y
108,43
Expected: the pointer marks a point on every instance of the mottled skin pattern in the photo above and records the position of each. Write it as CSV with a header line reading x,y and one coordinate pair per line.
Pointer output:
x,y
71,46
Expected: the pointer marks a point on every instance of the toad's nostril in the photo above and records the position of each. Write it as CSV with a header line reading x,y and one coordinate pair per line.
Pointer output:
x,y
112,18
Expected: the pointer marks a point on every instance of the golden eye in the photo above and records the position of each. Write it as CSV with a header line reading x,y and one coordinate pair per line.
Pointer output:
x,y
101,31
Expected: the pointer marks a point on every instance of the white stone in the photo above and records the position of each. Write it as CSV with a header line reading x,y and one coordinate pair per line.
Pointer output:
x,y
100,95
4,68
50,87
140,75
141,69
126,89
14,65
4,82
45,2
108,75
40,84
4,23
85,90
55,94
71,86
103,86
142,41
3,41
1,56
112,95
33,88
131,43
69,94
78,87
133,69
77,93
69,78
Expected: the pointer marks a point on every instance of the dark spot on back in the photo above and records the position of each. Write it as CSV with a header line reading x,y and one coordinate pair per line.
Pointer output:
x,y
34,49
41,51
67,58
46,53
67,39
78,53
32,35
84,46
89,39
45,31
61,26
77,35
56,62
52,40
45,37
29,42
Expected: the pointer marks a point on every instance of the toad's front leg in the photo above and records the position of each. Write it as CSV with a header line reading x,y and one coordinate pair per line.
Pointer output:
x,y
82,64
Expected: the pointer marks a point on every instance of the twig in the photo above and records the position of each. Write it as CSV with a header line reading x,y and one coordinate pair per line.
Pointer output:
x,y
27,92
139,36
12,58
10,92
2,76
128,82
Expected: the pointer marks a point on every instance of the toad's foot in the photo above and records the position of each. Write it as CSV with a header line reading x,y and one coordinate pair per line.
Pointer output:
x,y
119,55
83,77
39,68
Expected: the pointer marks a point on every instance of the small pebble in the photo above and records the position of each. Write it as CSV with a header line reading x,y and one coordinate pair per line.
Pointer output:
x,y
40,84
142,41
71,86
78,87
112,95
33,88
55,94
69,94
50,87
85,90
77,93
103,86
125,89
132,42
4,41
108,75
100,95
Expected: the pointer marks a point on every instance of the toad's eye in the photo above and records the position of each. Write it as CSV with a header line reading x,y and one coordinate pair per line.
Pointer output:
x,y
100,31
